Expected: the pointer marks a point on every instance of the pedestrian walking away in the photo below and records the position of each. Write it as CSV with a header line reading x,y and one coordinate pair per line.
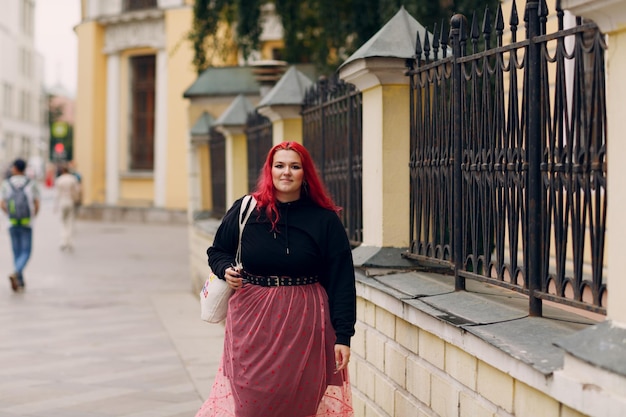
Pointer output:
x,y
293,311
72,170
20,201
67,196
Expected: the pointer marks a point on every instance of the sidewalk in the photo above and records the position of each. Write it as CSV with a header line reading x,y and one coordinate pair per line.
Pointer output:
x,y
111,329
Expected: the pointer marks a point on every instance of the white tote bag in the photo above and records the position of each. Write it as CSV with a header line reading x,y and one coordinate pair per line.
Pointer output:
x,y
215,293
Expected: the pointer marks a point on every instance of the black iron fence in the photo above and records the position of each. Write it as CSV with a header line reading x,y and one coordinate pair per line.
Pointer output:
x,y
217,159
508,156
331,131
259,139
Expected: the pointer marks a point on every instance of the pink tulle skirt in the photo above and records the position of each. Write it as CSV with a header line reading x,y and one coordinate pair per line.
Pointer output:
x,y
279,357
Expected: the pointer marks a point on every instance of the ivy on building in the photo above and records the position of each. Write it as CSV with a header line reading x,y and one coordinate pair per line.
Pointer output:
x,y
322,32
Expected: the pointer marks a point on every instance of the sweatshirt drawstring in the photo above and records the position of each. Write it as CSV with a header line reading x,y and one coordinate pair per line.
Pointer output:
x,y
287,227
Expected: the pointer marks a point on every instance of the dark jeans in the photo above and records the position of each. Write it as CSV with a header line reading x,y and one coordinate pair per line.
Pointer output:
x,y
21,241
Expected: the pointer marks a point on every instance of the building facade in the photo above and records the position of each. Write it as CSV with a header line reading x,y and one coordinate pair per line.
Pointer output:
x,y
134,63
23,105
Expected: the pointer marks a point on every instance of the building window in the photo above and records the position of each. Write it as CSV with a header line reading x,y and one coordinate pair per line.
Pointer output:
x,y
26,62
9,150
130,5
27,17
7,101
25,147
24,108
143,71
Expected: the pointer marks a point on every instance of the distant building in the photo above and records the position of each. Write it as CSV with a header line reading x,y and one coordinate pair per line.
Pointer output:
x,y
23,102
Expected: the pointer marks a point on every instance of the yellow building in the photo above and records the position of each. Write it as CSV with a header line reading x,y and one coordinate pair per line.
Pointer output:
x,y
133,64
135,143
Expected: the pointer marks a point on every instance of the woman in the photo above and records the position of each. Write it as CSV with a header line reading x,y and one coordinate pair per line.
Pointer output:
x,y
290,320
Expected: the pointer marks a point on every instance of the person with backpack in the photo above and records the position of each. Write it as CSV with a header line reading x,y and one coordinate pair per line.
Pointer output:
x,y
20,201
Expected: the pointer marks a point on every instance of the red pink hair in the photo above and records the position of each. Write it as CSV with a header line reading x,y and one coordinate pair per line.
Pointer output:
x,y
312,185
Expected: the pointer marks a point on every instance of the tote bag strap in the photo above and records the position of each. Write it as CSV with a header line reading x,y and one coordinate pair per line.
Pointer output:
x,y
247,207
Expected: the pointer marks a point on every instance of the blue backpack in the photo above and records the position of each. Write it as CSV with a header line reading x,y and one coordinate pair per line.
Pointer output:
x,y
18,207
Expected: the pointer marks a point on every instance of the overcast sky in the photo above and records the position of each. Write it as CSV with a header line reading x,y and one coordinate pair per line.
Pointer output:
x,y
56,40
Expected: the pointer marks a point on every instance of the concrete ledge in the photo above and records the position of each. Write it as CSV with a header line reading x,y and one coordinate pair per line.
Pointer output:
x,y
562,357
381,257
496,316
133,214
602,345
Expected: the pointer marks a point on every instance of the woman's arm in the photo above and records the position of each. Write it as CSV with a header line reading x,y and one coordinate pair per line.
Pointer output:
x,y
221,254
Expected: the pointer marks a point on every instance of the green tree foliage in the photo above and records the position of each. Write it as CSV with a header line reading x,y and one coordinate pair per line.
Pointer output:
x,y
323,32
207,15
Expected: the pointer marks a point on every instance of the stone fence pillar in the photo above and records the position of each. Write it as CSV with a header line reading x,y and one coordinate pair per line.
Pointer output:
x,y
232,124
282,106
377,70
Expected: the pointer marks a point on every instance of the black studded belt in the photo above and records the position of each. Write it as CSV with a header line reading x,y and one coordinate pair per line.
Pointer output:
x,y
277,281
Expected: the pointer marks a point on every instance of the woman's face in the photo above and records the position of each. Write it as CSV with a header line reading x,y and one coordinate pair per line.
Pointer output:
x,y
287,175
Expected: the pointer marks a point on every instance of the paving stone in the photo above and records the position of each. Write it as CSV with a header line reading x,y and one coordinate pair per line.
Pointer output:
x,y
110,329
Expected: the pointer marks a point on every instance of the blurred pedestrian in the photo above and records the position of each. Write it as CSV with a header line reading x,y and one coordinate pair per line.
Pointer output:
x,y
292,315
20,201
74,171
67,195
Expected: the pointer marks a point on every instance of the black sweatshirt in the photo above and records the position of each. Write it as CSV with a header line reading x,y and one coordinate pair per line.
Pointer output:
x,y
309,240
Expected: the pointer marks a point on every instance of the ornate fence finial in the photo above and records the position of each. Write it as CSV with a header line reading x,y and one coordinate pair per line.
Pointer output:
x,y
514,22
426,45
475,34
487,28
543,9
435,42
463,35
499,25
543,15
559,13
445,37
418,48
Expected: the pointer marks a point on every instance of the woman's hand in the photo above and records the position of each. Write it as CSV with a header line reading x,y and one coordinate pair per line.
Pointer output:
x,y
233,278
342,357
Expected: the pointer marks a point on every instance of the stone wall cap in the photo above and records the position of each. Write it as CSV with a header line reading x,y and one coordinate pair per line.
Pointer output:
x,y
289,90
497,316
396,39
224,81
237,113
602,345
202,125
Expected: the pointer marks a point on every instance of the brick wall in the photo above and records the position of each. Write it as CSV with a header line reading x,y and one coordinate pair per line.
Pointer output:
x,y
399,369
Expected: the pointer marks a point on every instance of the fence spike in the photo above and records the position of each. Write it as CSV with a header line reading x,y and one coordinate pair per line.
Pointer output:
x,y
499,24
514,20
436,42
426,45
543,8
445,38
499,19
418,47
543,16
475,34
487,28
560,13
487,21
